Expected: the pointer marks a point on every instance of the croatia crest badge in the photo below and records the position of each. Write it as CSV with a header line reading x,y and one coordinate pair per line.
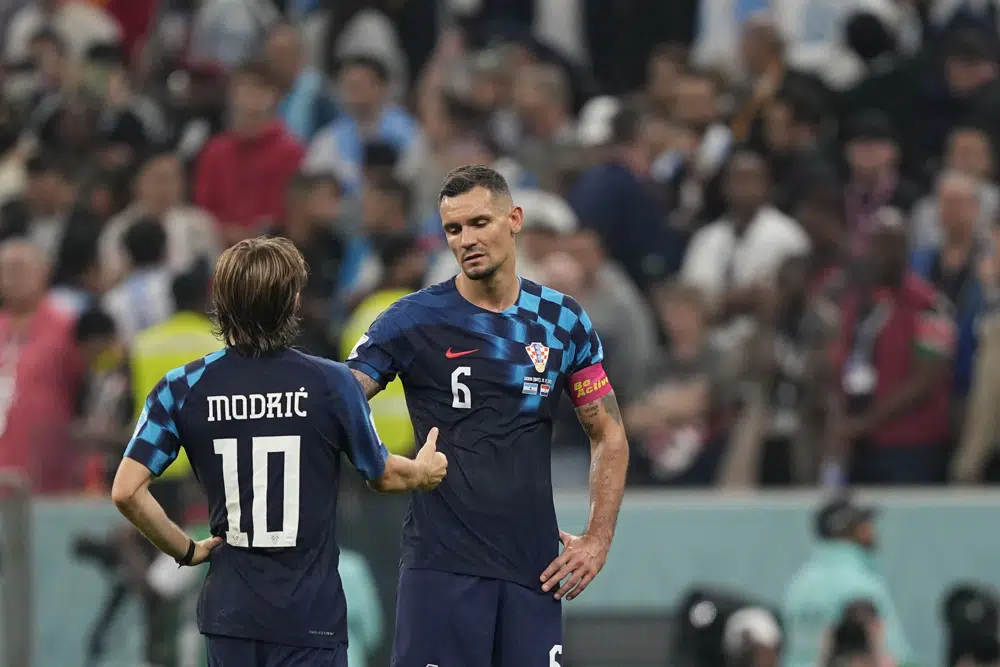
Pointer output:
x,y
539,355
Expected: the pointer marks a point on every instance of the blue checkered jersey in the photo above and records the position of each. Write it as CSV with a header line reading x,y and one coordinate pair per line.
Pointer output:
x,y
264,438
491,382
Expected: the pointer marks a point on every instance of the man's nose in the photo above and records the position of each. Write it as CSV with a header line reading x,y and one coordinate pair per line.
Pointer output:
x,y
469,237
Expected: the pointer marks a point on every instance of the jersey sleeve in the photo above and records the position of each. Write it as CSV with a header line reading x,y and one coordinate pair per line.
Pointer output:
x,y
362,445
587,380
378,353
155,441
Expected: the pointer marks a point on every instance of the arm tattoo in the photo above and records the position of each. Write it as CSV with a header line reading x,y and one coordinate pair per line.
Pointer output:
x,y
370,386
590,413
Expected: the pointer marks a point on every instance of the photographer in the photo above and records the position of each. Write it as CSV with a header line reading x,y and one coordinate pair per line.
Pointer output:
x,y
857,640
840,572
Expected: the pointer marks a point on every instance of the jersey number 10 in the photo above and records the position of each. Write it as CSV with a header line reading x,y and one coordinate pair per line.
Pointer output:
x,y
262,446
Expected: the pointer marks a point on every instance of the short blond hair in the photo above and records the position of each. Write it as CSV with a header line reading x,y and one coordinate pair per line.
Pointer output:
x,y
255,295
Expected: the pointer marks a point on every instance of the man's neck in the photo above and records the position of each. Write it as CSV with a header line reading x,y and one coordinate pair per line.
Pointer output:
x,y
957,249
871,180
496,293
686,349
251,130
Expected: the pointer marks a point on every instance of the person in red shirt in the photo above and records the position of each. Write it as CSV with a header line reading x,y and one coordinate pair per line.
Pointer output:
x,y
243,173
40,373
894,356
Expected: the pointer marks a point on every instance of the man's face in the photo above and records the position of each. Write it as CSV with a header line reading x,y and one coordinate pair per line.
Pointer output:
x,y
480,229
969,152
966,76
695,102
681,319
746,186
49,192
380,211
529,100
22,273
361,88
958,202
323,203
251,101
778,127
822,226
661,78
161,184
284,54
889,255
870,155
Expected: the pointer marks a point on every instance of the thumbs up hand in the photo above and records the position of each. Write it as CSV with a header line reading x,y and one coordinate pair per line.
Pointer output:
x,y
433,463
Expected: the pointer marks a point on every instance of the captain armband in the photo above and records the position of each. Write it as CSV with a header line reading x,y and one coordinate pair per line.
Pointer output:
x,y
588,385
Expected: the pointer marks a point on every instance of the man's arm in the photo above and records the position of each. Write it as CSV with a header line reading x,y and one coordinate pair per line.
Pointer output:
x,y
584,556
602,421
368,385
130,493
385,472
422,473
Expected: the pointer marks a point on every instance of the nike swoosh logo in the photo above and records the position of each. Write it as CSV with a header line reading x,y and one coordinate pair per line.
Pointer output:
x,y
456,355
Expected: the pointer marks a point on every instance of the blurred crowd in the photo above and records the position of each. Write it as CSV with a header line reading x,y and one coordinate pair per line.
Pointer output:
x,y
780,222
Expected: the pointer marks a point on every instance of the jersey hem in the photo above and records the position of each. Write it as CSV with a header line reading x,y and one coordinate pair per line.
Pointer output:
x,y
322,642
529,583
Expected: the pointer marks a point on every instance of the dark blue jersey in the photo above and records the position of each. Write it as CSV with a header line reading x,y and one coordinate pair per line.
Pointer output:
x,y
490,382
264,438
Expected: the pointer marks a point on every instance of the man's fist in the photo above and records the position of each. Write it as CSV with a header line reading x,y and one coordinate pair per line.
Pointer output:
x,y
433,463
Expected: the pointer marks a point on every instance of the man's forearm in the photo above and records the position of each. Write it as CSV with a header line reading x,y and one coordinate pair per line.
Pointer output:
x,y
401,474
608,466
602,422
148,517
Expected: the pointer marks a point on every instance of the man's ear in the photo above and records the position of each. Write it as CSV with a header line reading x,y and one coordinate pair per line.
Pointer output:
x,y
516,219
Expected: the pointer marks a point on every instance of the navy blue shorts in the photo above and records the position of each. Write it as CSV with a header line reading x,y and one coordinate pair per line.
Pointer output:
x,y
234,652
451,620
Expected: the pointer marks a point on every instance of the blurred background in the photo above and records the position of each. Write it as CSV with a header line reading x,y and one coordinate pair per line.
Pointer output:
x,y
781,216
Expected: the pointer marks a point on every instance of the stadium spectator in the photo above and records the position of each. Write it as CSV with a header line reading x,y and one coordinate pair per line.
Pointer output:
x,y
676,418
692,174
730,258
968,152
368,115
619,189
895,352
143,298
45,210
81,23
874,180
543,103
952,266
310,215
40,372
158,190
243,173
305,107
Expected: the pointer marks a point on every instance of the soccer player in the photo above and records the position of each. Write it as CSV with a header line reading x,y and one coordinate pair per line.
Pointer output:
x,y
485,356
263,427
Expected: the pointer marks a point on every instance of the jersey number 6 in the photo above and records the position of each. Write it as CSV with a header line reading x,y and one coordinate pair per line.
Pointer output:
x,y
289,447
461,397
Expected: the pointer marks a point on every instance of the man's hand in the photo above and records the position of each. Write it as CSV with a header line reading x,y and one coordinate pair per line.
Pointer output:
x,y
433,463
203,550
582,558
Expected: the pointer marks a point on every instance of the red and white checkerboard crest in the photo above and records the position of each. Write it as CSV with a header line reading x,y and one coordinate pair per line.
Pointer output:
x,y
539,355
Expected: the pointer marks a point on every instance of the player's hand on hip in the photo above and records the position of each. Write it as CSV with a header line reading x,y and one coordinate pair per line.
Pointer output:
x,y
203,550
580,561
433,463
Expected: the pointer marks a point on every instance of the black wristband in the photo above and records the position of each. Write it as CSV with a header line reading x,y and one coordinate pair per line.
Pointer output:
x,y
186,560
